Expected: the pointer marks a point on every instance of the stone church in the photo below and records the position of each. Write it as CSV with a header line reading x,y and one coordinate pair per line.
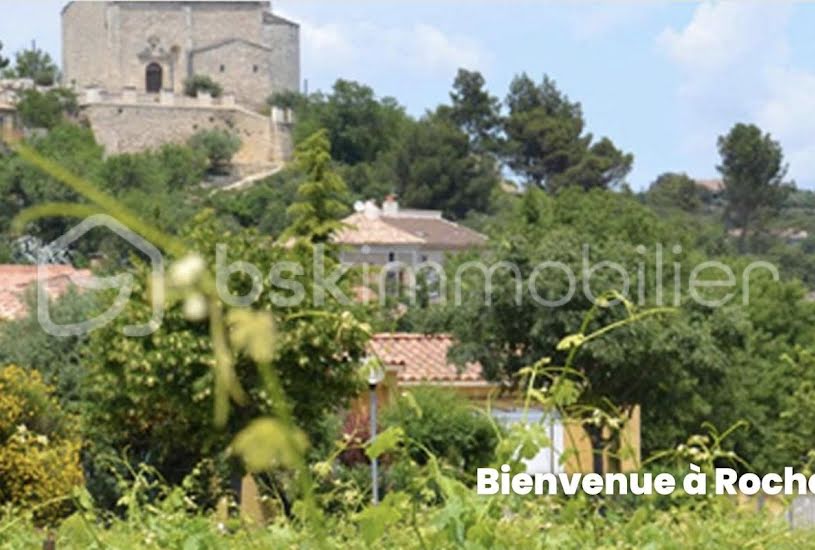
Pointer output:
x,y
128,61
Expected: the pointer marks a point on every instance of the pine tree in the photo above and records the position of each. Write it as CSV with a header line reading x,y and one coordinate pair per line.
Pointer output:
x,y
322,198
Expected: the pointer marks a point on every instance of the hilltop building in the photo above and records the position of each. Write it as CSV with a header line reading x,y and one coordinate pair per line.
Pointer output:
x,y
129,60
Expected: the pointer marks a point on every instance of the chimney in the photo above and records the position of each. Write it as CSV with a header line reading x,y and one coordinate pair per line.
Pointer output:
x,y
390,207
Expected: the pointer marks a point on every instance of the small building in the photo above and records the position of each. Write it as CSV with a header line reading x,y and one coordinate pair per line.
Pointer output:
x,y
412,360
390,234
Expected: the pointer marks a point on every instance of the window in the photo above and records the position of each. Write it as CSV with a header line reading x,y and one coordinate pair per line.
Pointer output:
x,y
254,68
223,68
391,256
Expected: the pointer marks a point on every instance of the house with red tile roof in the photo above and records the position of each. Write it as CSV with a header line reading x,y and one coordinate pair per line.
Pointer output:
x,y
17,280
413,359
378,236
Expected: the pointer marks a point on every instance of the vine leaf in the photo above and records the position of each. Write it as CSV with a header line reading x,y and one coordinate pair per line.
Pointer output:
x,y
388,440
267,443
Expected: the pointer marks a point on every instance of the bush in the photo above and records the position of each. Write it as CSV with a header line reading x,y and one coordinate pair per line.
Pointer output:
x,y
46,109
58,360
219,146
202,83
39,452
445,423
183,166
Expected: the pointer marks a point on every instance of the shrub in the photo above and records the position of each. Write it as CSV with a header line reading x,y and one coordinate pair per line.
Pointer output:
x,y
445,423
39,453
219,146
202,83
46,109
58,360
183,166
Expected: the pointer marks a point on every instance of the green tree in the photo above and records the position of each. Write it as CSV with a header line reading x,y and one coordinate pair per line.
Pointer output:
x,y
57,360
4,61
434,167
153,395
218,146
360,126
322,199
446,423
21,185
701,363
35,64
671,190
475,110
546,142
46,109
753,170
262,206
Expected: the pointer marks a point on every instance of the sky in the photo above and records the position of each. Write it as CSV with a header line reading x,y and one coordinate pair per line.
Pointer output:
x,y
662,80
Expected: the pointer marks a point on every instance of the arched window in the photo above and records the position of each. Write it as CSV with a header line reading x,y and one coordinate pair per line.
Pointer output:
x,y
152,78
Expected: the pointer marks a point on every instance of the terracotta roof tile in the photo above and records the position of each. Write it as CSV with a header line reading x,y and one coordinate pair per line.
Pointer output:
x,y
437,232
15,280
362,229
423,358
403,228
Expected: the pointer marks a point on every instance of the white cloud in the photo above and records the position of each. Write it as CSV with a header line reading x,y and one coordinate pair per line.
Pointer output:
x,y
722,35
421,49
328,41
734,62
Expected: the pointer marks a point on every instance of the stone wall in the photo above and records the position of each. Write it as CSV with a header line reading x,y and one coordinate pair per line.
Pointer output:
x,y
126,125
86,44
241,64
110,44
283,37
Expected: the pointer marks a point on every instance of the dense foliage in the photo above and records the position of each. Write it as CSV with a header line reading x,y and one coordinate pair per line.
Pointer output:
x,y
163,420
46,109
446,424
39,447
218,146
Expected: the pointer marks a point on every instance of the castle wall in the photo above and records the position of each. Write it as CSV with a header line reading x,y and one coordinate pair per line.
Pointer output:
x,y
283,37
86,44
247,66
128,128
109,45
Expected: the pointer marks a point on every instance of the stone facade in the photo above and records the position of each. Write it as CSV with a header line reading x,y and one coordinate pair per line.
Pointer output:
x,y
112,44
128,60
131,122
